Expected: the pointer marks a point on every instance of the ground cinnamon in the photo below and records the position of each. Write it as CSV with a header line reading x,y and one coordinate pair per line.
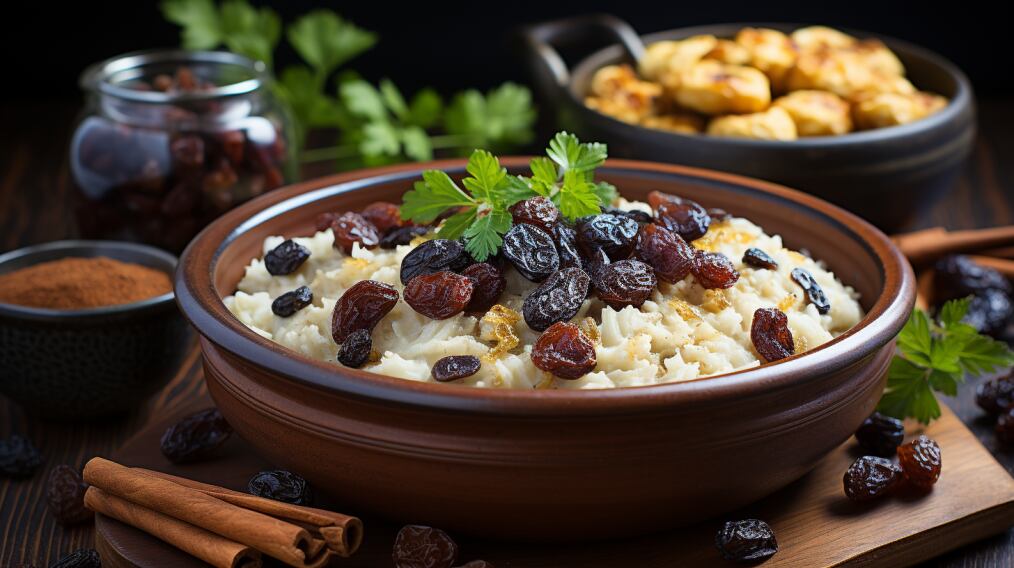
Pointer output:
x,y
76,283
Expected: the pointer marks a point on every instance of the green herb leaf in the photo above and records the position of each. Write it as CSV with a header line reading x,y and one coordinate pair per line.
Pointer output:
x,y
425,109
249,31
909,393
198,20
487,177
430,197
325,40
577,196
503,116
485,235
380,139
417,144
456,224
363,100
393,100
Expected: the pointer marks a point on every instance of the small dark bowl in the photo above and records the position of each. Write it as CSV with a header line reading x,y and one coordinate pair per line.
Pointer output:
x,y
887,176
78,364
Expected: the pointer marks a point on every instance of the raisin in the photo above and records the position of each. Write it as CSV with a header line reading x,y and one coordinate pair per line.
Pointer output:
x,y
324,220
280,485
814,292
455,367
665,251
713,270
401,236
625,283
719,214
636,215
434,256
383,215
1005,427
81,558
566,246
187,151
594,263
757,258
770,334
362,306
286,258
920,462
18,457
350,228
417,546
557,299
531,251
439,295
65,493
488,283
748,540
957,276
355,350
291,302
614,234
989,311
477,564
196,437
538,211
684,217
564,351
996,396
870,477
881,435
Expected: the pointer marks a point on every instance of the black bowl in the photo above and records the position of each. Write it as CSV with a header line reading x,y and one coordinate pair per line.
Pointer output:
x,y
888,176
77,364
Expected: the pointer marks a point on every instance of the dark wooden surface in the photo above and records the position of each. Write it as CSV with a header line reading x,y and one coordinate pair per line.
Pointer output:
x,y
35,207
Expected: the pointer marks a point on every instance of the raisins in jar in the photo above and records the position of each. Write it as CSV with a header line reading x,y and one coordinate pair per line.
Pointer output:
x,y
439,295
350,228
748,540
757,258
538,211
401,236
557,299
880,435
291,302
564,351
18,457
614,234
920,462
455,367
65,493
531,251
871,477
434,256
813,291
196,437
187,151
286,258
280,485
355,350
488,283
625,283
81,558
477,564
418,546
566,246
684,217
362,306
665,251
770,334
383,215
1005,427
713,270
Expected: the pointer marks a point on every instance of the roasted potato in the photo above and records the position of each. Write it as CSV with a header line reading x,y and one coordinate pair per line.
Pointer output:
x,y
879,110
816,113
771,51
814,38
711,87
617,91
665,61
845,73
728,51
875,56
684,123
772,124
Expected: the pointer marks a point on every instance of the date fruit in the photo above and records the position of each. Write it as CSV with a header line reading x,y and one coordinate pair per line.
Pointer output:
x,y
532,252
488,283
564,351
362,306
770,334
713,270
920,462
625,283
280,485
614,234
665,251
196,437
434,256
439,295
749,540
557,299
286,258
291,302
881,435
418,546
455,367
757,258
814,292
355,350
65,493
18,457
871,477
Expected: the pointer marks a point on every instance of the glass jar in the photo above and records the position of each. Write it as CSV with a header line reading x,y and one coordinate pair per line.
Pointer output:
x,y
170,140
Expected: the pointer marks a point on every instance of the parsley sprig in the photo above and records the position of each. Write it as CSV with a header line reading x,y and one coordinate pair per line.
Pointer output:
x,y
934,356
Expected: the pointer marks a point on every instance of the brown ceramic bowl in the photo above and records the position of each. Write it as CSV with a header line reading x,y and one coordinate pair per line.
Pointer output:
x,y
547,465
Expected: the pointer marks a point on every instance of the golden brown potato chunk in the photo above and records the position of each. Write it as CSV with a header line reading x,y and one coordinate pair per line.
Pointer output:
x,y
875,56
891,109
711,87
816,113
771,51
814,38
728,51
617,91
684,123
772,124
845,73
665,61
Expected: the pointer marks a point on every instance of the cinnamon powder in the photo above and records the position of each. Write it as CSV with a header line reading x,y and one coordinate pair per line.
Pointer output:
x,y
75,283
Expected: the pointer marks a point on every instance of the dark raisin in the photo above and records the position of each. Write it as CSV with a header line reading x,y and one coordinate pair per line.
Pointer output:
x,y
434,256
82,558
286,258
362,306
291,302
748,540
1005,427
719,214
557,299
881,435
713,270
324,220
684,217
402,236
355,350
18,457
281,485
531,251
187,151
614,234
757,258
417,546
566,246
439,295
65,493
770,334
196,437
350,228
813,291
538,211
957,276
990,311
636,215
870,477
594,263
564,351
477,564
920,462
383,215
455,367
488,283
625,283
667,253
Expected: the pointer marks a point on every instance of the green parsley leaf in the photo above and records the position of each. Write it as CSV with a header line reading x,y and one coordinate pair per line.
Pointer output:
x,y
456,224
606,192
249,31
485,236
909,393
504,116
544,175
417,144
518,188
425,109
430,197
487,177
363,100
380,139
198,20
325,40
393,100
577,197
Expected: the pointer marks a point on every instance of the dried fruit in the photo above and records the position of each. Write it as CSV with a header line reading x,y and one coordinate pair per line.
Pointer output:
x,y
65,493
350,228
713,270
488,283
625,283
1005,427
564,351
291,302
684,217
532,252
870,477
418,546
477,564
383,215
989,311
665,251
455,367
324,220
992,304
748,540
82,558
770,334
881,435
355,350
434,256
636,215
362,306
187,151
920,462
196,437
538,211
286,258
557,299
566,246
401,236
281,485
18,457
718,214
814,292
757,258
614,234
439,295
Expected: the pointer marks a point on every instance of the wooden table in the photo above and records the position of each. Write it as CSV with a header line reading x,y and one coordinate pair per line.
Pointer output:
x,y
35,193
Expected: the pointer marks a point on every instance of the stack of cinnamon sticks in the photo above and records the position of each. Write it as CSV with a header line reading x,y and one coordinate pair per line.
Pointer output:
x,y
224,528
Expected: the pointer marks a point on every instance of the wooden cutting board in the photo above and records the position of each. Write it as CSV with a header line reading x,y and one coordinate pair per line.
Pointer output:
x,y
815,525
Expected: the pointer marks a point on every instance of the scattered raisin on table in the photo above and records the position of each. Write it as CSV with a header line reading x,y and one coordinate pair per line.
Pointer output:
x,y
196,437
713,270
532,251
455,367
383,215
281,485
1005,427
757,258
992,305
538,211
814,292
81,558
625,283
434,256
665,251
770,334
614,234
881,435
18,457
401,236
350,228
488,283
418,546
995,396
566,246
920,462
557,299
65,493
362,306
748,540
684,217
439,295
291,302
564,351
355,350
871,477
286,258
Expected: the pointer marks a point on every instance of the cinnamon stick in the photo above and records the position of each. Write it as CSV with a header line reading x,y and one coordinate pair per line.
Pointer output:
x,y
922,247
